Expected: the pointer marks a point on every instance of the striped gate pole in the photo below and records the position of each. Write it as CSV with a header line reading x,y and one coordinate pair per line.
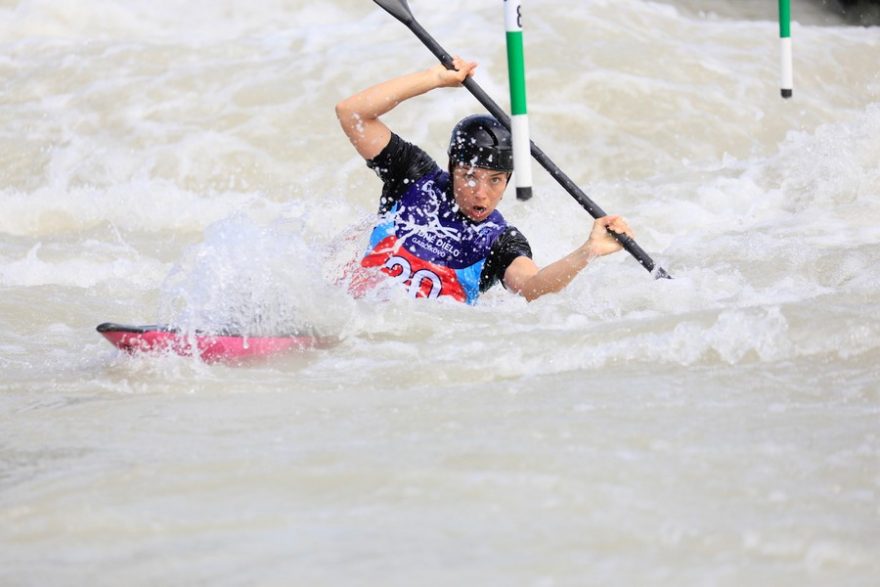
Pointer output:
x,y
519,119
786,81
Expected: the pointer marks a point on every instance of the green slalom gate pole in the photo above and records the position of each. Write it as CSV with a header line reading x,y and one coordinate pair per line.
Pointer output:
x,y
786,81
519,118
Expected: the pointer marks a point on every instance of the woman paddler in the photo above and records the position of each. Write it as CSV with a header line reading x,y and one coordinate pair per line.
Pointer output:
x,y
439,231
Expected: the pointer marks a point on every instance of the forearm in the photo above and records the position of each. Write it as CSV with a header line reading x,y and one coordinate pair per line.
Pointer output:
x,y
359,114
375,101
557,275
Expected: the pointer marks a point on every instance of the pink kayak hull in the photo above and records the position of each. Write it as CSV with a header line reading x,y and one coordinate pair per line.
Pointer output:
x,y
210,348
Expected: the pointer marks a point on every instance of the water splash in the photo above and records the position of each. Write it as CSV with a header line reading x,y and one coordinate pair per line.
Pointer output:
x,y
255,280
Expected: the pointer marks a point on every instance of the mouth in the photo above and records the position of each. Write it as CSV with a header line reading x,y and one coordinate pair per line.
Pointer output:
x,y
478,211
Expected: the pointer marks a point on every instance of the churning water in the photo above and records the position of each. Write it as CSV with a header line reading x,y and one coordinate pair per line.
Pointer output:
x,y
162,160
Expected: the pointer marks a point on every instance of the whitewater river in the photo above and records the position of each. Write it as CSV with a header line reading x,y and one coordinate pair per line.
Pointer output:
x,y
181,161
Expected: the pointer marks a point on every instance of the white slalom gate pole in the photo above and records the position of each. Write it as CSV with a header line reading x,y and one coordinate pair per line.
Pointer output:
x,y
519,118
786,80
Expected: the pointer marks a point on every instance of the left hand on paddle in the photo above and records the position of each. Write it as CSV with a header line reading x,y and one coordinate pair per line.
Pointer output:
x,y
601,242
447,78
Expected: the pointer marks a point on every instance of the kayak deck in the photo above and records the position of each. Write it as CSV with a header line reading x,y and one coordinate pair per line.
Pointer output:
x,y
210,347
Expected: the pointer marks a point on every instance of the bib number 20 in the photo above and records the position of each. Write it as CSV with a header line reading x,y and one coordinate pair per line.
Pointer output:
x,y
400,269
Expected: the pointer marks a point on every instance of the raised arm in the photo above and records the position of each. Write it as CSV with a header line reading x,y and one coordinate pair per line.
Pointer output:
x,y
524,277
359,114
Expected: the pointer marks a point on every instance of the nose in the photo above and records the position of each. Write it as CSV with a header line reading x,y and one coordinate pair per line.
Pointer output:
x,y
483,189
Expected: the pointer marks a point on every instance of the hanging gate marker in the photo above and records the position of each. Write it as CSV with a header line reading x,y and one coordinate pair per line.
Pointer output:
x,y
519,118
786,82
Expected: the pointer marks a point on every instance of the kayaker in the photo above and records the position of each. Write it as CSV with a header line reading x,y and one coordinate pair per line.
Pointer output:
x,y
440,233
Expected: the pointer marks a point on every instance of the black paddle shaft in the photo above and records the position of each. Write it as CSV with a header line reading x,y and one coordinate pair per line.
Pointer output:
x,y
400,10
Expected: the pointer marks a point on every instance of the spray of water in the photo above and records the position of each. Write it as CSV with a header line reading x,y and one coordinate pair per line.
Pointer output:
x,y
256,280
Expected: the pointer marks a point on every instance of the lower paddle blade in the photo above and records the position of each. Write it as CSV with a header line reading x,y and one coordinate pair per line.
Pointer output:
x,y
660,273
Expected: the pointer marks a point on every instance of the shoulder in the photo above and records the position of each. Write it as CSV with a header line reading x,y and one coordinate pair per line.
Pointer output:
x,y
509,246
399,165
512,242
401,159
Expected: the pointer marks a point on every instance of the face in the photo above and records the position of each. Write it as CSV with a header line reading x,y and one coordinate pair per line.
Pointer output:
x,y
478,190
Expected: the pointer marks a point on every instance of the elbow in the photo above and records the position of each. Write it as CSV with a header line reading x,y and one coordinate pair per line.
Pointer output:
x,y
536,288
350,118
343,111
347,111
529,295
522,278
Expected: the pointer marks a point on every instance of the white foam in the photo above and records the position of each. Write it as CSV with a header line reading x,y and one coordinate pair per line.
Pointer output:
x,y
86,269
143,19
150,206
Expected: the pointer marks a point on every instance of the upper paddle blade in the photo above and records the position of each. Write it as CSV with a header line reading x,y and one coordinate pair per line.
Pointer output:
x,y
399,9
